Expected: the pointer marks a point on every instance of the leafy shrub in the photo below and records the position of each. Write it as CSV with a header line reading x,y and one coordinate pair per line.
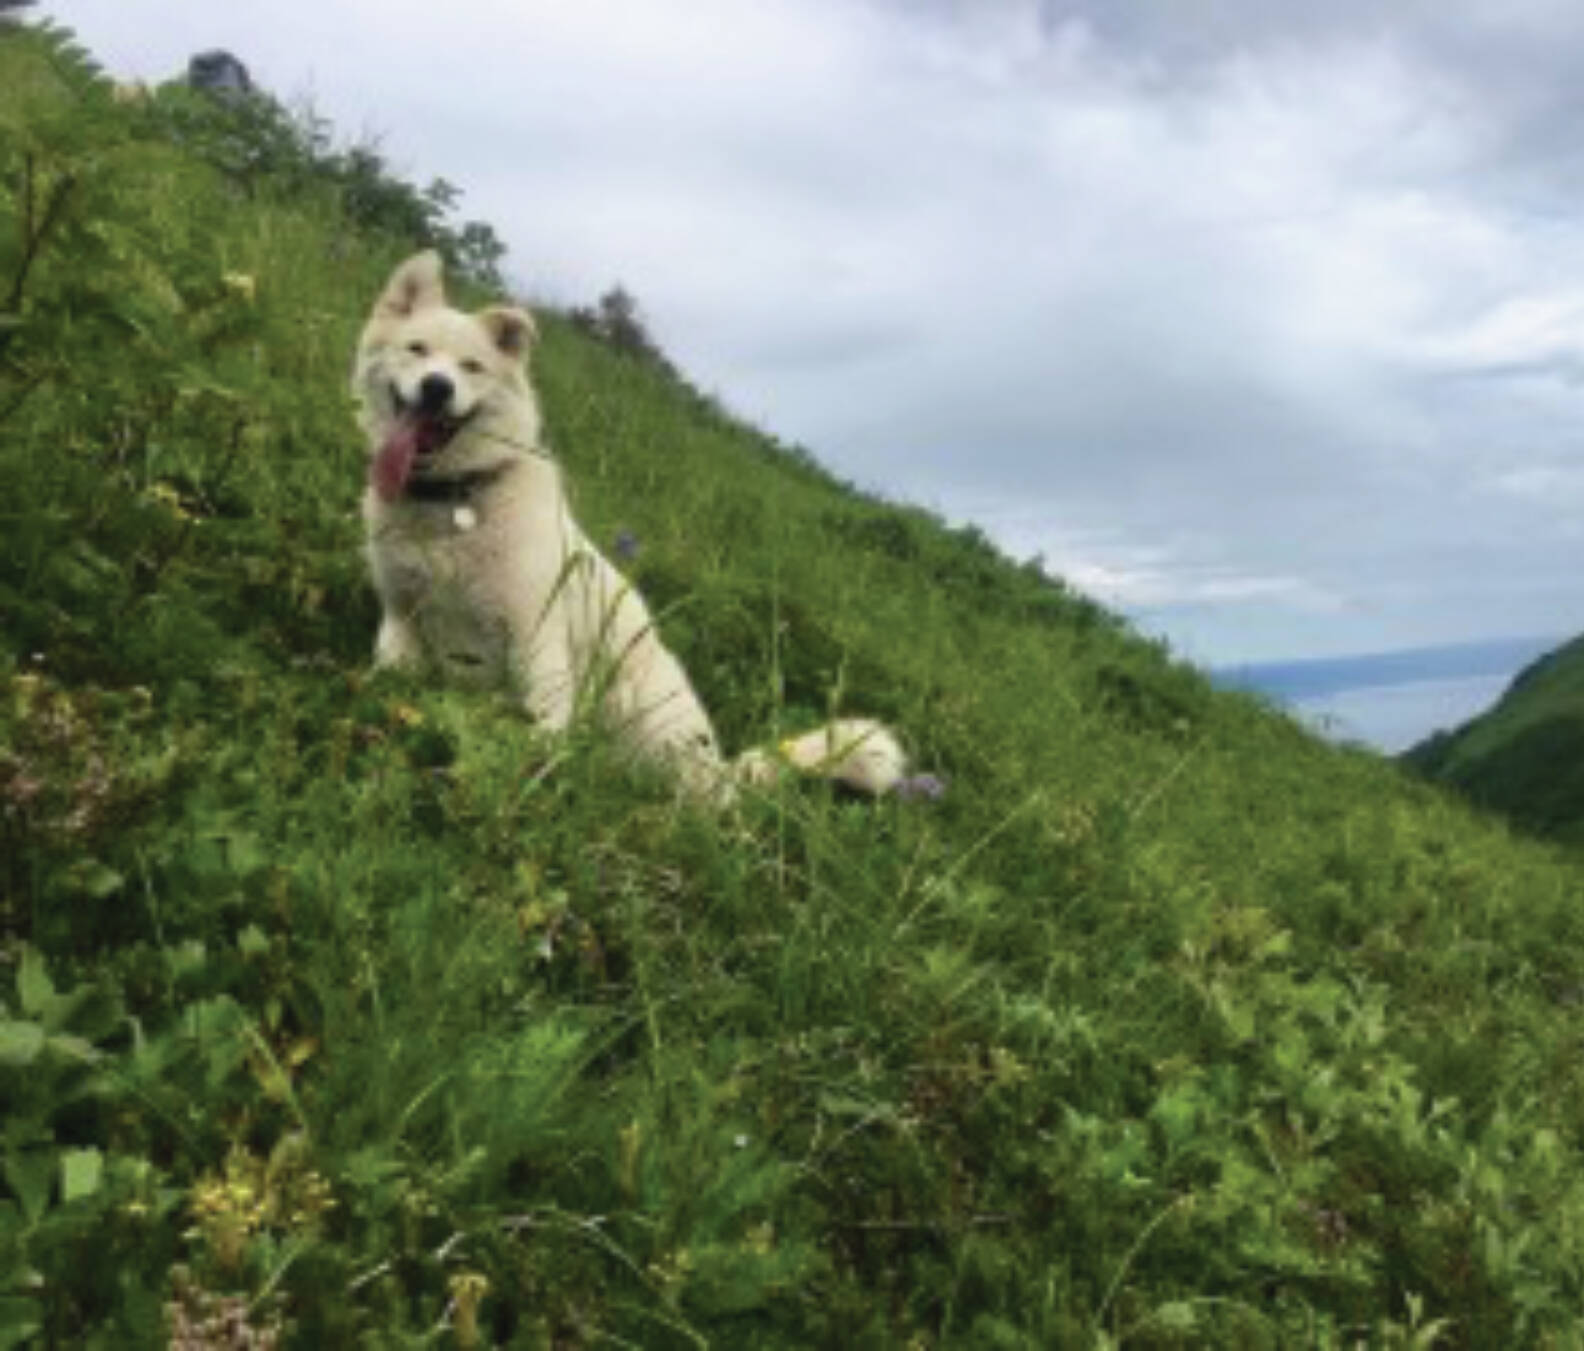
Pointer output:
x,y
615,320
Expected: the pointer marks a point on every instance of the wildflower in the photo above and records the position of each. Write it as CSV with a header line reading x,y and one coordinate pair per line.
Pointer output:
x,y
170,499
311,1199
468,1289
228,1211
921,788
1005,1068
625,546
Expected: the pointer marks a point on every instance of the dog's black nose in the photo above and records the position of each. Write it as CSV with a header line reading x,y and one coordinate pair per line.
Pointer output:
x,y
434,393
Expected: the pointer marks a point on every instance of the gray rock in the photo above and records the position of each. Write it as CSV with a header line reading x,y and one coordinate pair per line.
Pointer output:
x,y
218,72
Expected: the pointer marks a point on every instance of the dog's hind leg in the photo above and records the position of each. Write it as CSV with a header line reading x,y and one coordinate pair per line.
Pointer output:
x,y
655,713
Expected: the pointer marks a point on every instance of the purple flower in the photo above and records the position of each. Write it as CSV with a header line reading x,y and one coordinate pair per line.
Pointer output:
x,y
921,788
625,546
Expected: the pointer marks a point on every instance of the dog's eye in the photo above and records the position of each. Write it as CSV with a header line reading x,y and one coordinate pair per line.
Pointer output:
x,y
418,349
472,366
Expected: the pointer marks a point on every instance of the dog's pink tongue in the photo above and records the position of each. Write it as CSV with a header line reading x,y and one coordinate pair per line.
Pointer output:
x,y
392,464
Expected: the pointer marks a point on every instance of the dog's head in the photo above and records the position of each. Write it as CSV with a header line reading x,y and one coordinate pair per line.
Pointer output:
x,y
435,385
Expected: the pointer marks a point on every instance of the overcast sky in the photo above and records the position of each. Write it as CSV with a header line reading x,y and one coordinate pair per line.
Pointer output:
x,y
1261,322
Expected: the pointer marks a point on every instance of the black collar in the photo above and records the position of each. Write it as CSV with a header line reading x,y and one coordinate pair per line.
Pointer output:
x,y
457,489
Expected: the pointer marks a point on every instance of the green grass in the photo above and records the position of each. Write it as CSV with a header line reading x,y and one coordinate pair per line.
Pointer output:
x,y
1167,1025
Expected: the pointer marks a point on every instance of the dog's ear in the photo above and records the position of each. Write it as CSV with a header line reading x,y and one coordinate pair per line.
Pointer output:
x,y
512,330
413,286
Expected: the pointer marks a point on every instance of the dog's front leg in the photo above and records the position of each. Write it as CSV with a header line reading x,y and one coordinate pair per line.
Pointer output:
x,y
551,685
398,644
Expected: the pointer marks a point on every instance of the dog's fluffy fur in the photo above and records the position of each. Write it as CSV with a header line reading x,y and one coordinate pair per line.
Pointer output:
x,y
484,575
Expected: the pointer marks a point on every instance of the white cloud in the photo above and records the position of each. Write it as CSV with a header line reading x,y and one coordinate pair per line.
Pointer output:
x,y
1547,483
1524,334
1145,577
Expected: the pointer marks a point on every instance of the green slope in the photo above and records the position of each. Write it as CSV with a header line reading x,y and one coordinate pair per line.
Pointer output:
x,y
1524,756
355,1002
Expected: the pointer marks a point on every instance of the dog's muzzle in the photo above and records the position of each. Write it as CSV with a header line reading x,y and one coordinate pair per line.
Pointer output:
x,y
428,417
422,427
434,395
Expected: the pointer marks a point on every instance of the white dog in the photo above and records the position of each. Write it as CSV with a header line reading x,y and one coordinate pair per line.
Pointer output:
x,y
483,574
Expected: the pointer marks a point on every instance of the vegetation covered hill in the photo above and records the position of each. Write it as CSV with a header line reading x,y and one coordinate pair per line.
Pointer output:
x,y
1524,756
353,1012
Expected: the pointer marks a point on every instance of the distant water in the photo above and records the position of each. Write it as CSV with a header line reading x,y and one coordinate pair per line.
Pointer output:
x,y
1392,700
1392,718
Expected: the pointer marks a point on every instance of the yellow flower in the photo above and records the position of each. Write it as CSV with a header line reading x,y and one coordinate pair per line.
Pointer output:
x,y
170,499
468,1289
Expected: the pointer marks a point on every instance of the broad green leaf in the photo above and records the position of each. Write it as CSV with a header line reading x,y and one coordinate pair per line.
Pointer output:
x,y
20,1042
253,942
91,1011
21,1319
82,1172
245,854
74,1048
29,1173
1175,1316
97,880
34,987
186,958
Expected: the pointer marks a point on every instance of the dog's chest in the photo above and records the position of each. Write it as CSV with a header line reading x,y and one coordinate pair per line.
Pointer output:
x,y
449,570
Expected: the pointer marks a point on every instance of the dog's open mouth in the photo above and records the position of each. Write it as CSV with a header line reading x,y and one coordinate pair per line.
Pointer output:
x,y
415,435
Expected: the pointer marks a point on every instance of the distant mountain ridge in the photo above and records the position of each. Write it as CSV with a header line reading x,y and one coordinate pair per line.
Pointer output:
x,y
1316,677
1524,757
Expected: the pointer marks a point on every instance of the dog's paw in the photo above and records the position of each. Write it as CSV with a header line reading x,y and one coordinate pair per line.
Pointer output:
x,y
758,768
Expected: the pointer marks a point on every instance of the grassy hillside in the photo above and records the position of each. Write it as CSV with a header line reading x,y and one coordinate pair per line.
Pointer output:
x,y
1524,757
351,1009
